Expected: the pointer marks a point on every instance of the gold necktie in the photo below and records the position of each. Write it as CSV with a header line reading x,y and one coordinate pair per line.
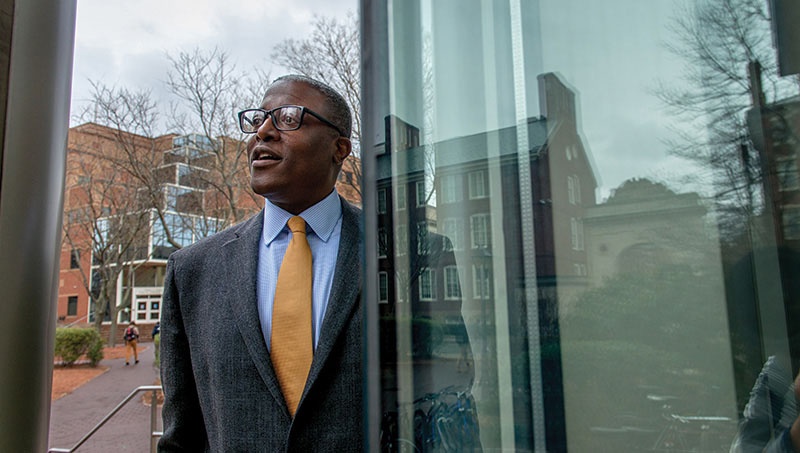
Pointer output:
x,y
291,341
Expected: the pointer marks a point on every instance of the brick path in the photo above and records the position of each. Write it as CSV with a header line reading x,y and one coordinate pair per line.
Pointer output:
x,y
74,415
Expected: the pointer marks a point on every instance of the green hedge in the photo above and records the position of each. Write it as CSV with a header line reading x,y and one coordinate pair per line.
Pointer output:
x,y
72,343
157,346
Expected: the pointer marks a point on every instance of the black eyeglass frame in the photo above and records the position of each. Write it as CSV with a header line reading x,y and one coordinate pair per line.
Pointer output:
x,y
303,111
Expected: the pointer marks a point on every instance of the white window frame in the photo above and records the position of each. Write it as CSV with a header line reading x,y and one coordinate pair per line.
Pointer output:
x,y
150,297
481,281
476,180
427,280
576,233
483,221
452,284
574,189
451,187
453,229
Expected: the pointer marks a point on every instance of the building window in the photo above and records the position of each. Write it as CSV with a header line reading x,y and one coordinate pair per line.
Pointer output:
x,y
452,287
477,185
400,197
453,229
481,281
72,306
451,187
179,226
75,259
427,284
176,198
381,201
479,227
574,189
102,232
576,229
383,287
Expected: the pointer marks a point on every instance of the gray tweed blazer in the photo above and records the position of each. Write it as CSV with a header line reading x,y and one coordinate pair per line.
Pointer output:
x,y
221,392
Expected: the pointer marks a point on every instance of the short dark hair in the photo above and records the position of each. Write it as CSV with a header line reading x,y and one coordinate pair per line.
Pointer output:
x,y
339,113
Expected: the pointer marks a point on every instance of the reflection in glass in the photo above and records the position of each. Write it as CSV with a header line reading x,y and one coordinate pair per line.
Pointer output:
x,y
592,217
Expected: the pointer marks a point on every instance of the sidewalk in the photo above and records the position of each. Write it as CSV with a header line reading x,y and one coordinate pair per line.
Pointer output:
x,y
74,415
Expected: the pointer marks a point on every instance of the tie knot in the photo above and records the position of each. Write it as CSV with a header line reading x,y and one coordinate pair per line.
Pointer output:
x,y
297,225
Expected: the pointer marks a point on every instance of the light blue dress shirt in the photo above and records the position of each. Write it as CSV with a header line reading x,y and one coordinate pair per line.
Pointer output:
x,y
323,230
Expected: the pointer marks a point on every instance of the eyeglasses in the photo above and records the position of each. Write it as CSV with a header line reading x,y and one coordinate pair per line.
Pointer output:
x,y
284,118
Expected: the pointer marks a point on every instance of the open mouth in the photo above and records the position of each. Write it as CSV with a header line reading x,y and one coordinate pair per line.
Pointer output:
x,y
266,156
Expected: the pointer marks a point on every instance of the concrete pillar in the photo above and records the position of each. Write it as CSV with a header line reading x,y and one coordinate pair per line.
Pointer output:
x,y
36,49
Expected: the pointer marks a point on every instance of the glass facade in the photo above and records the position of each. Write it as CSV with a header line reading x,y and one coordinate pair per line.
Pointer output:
x,y
584,218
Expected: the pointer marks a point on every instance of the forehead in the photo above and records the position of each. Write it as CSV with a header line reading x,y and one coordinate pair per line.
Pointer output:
x,y
293,92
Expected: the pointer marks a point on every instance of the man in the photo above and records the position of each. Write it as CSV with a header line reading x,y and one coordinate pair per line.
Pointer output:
x,y
220,318
131,337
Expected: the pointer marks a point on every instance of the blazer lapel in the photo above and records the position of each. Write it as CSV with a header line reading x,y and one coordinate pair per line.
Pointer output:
x,y
241,259
345,290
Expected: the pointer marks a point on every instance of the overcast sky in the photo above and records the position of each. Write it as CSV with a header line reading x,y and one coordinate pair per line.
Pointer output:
x,y
611,59
125,43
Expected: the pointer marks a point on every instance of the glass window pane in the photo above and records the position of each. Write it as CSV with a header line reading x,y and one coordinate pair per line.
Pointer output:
x,y
609,259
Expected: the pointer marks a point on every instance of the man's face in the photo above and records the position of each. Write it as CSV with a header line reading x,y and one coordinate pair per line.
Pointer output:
x,y
296,169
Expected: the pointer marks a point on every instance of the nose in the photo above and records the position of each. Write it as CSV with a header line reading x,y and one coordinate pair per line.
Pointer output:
x,y
267,129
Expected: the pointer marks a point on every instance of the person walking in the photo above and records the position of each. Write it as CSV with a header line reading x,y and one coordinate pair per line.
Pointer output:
x,y
131,343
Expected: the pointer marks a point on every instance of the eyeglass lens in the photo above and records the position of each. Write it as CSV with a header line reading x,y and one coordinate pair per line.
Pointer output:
x,y
284,118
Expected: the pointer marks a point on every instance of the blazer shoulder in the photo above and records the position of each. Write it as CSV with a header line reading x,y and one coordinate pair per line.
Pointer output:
x,y
351,214
252,225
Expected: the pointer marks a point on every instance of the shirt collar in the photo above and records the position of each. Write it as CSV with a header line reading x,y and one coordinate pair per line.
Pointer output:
x,y
321,218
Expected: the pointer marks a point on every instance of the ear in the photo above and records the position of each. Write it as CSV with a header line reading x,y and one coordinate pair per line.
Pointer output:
x,y
343,149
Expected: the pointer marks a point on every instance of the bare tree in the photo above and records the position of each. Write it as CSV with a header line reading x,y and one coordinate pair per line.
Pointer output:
x,y
210,91
213,188
719,40
331,54
177,187
108,225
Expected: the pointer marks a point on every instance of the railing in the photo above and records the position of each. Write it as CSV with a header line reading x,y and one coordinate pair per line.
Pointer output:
x,y
154,435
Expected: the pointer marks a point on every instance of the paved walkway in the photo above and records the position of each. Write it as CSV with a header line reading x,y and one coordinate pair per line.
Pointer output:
x,y
74,415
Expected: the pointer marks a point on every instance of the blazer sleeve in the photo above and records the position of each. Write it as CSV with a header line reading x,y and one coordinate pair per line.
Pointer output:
x,y
184,429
